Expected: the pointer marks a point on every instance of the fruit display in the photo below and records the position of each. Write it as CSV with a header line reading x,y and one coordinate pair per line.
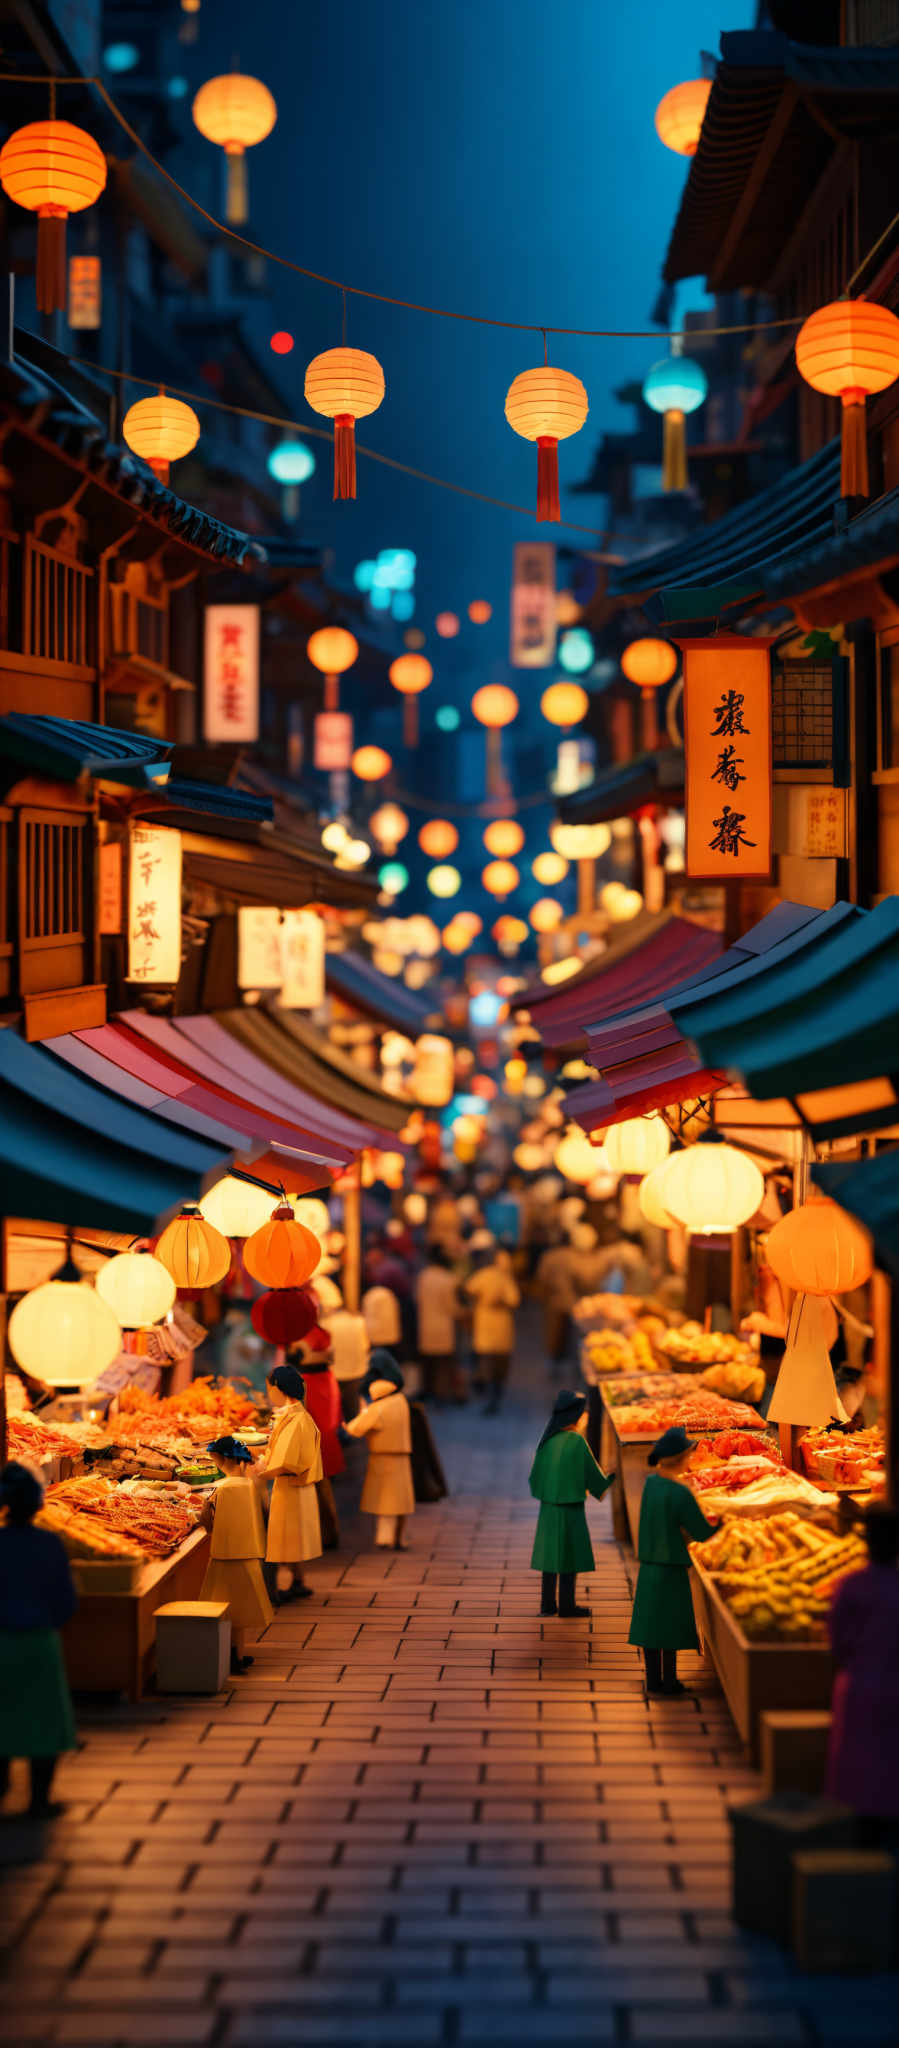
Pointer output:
x,y
696,1411
853,1463
691,1345
732,1444
612,1351
737,1380
649,1386
144,1523
778,1575
617,1309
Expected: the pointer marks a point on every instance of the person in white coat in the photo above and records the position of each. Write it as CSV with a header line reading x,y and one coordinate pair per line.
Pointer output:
x,y
384,1420
437,1302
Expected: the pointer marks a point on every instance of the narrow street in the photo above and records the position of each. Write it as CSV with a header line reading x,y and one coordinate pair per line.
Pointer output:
x,y
424,1817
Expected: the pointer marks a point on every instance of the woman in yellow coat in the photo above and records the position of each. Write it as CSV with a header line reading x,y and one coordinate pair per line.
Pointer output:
x,y
388,1492
293,1460
234,1571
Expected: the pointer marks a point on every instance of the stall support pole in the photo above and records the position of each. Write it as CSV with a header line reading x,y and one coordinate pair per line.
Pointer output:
x,y
892,1401
352,1229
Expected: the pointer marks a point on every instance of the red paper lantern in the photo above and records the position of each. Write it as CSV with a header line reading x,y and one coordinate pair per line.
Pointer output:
x,y
318,1339
285,1316
283,1253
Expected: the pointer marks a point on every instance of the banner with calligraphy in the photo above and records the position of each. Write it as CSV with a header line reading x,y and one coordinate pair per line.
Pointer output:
x,y
302,960
231,672
85,291
332,744
154,904
727,743
258,946
532,632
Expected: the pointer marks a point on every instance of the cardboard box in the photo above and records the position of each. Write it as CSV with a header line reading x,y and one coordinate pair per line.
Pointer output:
x,y
766,1834
844,1906
794,1751
193,1646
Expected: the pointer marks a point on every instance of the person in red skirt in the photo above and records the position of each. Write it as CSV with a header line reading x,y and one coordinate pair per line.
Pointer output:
x,y
313,1359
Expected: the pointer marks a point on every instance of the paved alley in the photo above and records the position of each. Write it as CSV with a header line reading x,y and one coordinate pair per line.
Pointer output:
x,y
424,1817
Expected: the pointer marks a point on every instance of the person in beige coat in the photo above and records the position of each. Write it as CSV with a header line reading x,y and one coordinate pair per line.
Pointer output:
x,y
293,1460
388,1492
493,1291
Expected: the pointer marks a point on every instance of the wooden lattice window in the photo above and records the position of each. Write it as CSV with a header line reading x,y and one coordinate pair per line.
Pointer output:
x,y
57,608
802,714
53,852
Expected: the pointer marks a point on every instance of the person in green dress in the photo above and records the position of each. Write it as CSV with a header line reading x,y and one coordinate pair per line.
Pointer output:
x,y
37,1598
563,1473
662,1621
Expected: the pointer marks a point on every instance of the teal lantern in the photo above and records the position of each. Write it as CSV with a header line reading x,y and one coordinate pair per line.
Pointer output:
x,y
393,877
675,387
576,651
292,463
447,718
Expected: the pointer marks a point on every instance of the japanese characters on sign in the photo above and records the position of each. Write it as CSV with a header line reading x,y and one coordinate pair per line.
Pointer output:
x,y
532,637
231,672
333,741
302,960
824,835
85,284
109,900
727,726
154,904
258,947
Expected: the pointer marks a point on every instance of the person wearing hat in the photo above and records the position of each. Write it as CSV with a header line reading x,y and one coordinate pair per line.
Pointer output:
x,y
670,1515
388,1492
293,1459
564,1471
237,1546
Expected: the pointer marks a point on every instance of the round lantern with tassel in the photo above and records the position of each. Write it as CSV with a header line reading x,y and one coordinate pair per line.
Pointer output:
x,y
504,837
820,1249
438,838
193,1251
138,1288
649,663
546,406
389,825
236,112
160,430
680,115
371,764
500,877
564,704
332,650
849,350
285,1316
410,674
283,1253
236,1206
546,914
675,387
344,385
52,169
549,868
64,1332
651,1196
494,706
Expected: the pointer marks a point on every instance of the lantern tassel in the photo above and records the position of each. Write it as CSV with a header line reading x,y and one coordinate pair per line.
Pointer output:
x,y
160,466
236,193
548,477
332,693
854,481
51,259
344,455
674,451
410,721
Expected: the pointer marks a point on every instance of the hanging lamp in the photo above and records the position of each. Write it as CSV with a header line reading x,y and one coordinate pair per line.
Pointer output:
x,y
504,837
236,112
283,1253
138,1288
160,430
849,350
332,650
546,405
344,385
410,674
52,169
64,1332
193,1251
675,387
680,114
438,838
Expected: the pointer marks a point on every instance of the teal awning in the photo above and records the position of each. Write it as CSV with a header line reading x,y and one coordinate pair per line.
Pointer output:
x,y
66,748
869,1189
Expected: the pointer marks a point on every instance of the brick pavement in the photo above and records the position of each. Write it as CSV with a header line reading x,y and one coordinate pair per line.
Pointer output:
x,y
425,1817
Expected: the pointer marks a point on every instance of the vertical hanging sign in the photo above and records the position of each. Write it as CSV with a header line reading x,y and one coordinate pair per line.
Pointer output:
x,y
258,946
231,672
532,635
154,904
302,960
85,285
727,744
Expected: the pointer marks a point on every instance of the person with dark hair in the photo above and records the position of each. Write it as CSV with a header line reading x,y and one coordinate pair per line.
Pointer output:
x,y
323,1404
37,1598
437,1303
494,1292
564,1471
863,1765
662,1621
293,1459
234,1571
388,1492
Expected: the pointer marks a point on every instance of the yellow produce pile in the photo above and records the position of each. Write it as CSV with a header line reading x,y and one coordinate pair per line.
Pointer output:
x,y
610,1351
778,1575
738,1380
692,1345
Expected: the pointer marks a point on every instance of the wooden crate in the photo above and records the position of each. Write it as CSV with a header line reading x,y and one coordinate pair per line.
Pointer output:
x,y
756,1677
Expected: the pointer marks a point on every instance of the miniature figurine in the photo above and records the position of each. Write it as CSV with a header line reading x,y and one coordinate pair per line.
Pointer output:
x,y
388,1492
37,1598
234,1571
323,1404
863,1766
662,1621
494,1292
293,1459
564,1471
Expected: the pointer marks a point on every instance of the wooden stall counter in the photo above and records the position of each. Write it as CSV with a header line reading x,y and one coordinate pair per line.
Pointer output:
x,y
109,1643
756,1676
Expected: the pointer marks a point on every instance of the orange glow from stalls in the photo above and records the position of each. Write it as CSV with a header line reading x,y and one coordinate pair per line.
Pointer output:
x,y
504,837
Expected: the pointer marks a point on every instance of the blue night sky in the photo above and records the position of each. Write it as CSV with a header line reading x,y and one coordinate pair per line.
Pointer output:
x,y
496,156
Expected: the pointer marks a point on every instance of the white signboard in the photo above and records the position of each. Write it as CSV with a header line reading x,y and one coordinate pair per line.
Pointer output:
x,y
154,904
302,960
231,672
532,637
258,947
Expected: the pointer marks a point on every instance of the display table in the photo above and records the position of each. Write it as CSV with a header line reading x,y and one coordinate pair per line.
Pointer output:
x,y
757,1676
109,1643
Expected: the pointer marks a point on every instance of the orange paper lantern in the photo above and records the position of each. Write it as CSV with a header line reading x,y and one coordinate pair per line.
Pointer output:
x,y
438,838
509,932
504,837
650,663
410,674
546,406
564,704
680,115
447,625
549,868
456,937
332,650
371,764
283,1253
819,1249
52,169
160,429
344,385
546,914
495,705
849,350
479,611
389,825
500,877
236,112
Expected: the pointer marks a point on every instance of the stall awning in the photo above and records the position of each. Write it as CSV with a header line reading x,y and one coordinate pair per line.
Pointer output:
x,y
67,748
658,951
869,1189
656,778
73,1152
216,800
821,1028
331,1129
305,1057
378,995
250,864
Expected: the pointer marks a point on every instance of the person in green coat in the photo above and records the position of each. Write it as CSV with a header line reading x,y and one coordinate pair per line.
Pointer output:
x,y
564,1471
662,1621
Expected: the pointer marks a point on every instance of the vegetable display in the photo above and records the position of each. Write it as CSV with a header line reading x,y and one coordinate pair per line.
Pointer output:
x,y
612,1351
778,1575
692,1345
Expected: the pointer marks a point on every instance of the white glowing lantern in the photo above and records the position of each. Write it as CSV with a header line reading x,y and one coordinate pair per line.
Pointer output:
x,y
652,1196
63,1332
575,1157
637,1145
712,1186
312,1213
138,1289
432,1078
238,1207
